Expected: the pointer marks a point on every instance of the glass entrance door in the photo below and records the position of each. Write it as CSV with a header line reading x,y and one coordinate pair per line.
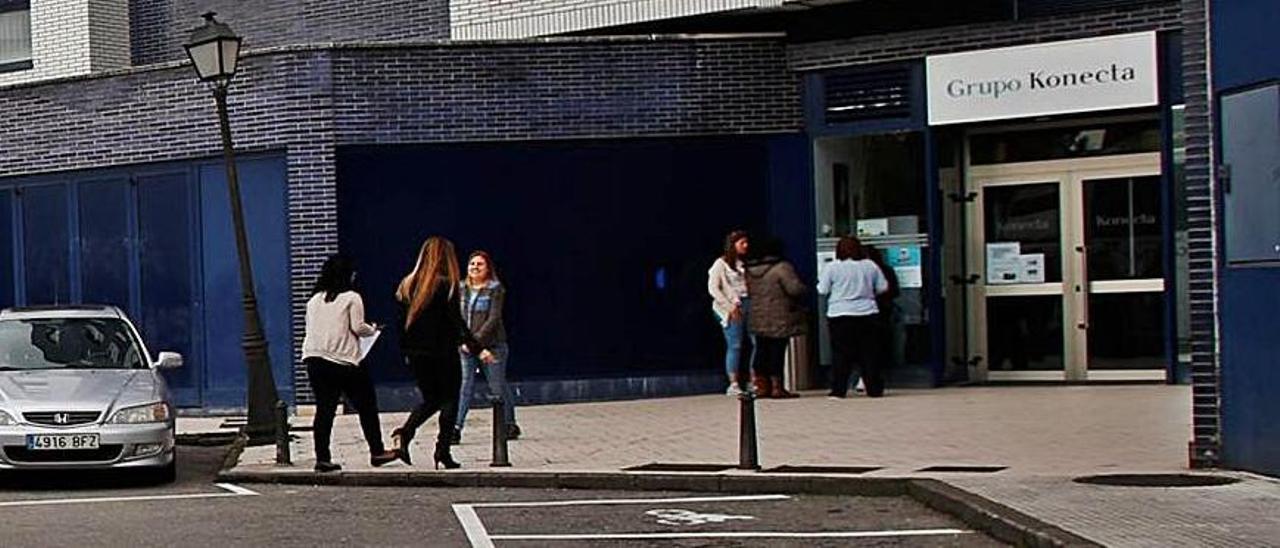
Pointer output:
x,y
1068,258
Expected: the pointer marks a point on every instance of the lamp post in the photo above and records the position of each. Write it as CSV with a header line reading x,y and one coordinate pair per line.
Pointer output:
x,y
215,50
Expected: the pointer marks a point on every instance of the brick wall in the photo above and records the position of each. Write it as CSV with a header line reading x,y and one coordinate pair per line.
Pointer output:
x,y
568,89
65,43
503,19
1206,392
161,26
307,102
918,44
108,34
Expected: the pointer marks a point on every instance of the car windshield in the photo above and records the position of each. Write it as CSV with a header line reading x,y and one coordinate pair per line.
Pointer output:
x,y
68,343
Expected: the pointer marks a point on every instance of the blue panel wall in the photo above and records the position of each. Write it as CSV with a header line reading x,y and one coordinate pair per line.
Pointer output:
x,y
604,246
46,244
8,272
1244,49
167,286
105,242
262,184
1244,55
1250,369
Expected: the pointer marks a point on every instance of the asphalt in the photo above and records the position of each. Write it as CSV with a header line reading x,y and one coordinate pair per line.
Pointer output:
x,y
109,510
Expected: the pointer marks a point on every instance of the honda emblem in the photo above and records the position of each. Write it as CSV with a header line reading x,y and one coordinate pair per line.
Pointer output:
x,y
61,418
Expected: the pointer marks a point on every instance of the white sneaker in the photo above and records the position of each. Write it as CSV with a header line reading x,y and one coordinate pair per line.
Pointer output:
x,y
861,388
733,391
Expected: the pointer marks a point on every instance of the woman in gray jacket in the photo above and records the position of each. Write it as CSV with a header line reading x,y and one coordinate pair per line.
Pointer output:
x,y
777,314
482,299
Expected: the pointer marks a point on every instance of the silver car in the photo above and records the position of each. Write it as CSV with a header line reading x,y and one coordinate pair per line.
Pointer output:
x,y
78,389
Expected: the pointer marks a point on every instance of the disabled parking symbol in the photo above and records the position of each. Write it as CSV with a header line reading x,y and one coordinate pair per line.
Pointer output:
x,y
675,516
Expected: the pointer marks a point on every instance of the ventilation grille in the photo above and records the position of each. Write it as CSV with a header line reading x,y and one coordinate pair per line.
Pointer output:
x,y
1045,8
61,418
857,96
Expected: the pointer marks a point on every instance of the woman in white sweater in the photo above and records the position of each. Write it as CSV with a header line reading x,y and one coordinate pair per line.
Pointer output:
x,y
731,304
331,352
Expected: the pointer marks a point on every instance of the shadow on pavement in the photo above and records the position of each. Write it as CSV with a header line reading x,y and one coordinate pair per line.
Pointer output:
x,y
197,465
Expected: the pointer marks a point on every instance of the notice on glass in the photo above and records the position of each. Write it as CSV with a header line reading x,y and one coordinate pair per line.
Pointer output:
x,y
872,227
1004,263
1032,271
905,262
366,343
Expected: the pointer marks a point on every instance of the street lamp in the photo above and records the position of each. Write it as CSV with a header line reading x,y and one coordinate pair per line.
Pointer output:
x,y
214,50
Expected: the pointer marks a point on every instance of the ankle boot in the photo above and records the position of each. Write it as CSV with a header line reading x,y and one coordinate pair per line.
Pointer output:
x,y
401,438
780,391
760,385
443,458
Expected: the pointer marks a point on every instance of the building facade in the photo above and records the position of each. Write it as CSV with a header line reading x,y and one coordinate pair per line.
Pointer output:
x,y
1034,171
1245,194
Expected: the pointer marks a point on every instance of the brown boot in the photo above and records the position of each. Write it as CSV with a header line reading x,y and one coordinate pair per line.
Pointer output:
x,y
761,387
780,392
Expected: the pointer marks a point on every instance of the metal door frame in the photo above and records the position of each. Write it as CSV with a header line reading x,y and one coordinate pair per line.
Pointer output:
x,y
1075,288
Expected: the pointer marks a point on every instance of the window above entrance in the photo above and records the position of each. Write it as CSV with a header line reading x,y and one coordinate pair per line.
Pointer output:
x,y
1065,142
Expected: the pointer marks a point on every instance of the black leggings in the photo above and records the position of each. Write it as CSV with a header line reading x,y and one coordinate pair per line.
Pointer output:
x,y
439,380
329,381
770,355
857,339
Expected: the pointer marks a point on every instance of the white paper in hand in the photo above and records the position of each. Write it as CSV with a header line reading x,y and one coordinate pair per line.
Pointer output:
x,y
366,343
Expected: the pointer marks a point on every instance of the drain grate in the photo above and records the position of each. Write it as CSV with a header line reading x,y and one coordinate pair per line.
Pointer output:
x,y
1157,480
967,469
790,469
680,467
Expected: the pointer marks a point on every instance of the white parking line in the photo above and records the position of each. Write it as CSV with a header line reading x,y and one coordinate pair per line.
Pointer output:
x,y
479,536
594,502
473,526
738,534
234,491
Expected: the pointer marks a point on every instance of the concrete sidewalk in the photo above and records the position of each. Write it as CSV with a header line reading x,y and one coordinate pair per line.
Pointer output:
x,y
1040,437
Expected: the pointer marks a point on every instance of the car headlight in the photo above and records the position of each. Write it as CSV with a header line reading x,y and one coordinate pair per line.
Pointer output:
x,y
151,412
7,419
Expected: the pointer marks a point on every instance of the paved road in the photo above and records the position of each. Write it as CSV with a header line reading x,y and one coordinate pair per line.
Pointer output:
x,y
69,510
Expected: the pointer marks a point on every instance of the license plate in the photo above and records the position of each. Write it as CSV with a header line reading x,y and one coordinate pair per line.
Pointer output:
x,y
61,442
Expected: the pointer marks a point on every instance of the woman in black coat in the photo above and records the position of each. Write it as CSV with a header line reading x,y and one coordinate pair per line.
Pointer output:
x,y
433,329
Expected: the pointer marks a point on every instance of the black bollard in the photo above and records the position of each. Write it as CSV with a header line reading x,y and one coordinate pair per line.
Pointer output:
x,y
500,458
748,452
282,435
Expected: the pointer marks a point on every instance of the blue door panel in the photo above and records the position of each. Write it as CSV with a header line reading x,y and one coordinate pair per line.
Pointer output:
x,y
8,281
165,276
46,244
104,242
262,184
1250,374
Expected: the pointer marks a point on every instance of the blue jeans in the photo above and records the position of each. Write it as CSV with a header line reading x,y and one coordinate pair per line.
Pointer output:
x,y
734,335
496,374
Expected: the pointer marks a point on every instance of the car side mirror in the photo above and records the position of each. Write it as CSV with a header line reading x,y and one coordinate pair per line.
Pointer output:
x,y
169,360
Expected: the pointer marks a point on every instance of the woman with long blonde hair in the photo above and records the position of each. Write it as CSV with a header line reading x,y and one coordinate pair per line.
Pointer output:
x,y
432,331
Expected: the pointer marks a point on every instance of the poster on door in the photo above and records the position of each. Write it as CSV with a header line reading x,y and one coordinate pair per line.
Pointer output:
x,y
905,262
1006,264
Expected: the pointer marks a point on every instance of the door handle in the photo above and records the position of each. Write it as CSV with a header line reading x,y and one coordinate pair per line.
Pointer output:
x,y
1082,288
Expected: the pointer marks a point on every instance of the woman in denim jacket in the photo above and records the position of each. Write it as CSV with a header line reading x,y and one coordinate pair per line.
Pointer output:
x,y
482,299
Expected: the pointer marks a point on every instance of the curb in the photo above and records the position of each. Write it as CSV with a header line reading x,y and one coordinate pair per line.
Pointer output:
x,y
207,439
994,519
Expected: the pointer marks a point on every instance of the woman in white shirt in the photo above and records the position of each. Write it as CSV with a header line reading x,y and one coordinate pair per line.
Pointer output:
x,y
331,352
851,284
731,304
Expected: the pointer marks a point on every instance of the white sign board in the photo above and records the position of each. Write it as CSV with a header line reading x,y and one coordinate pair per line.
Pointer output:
x,y
1104,73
